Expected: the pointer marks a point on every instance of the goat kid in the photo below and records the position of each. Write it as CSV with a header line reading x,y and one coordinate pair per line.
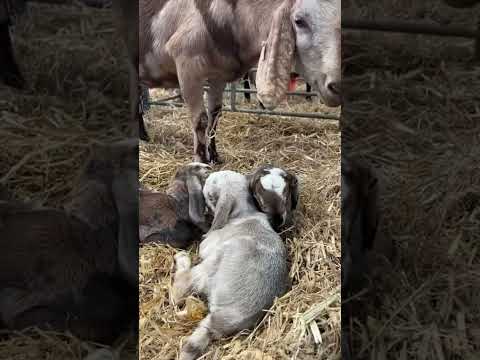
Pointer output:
x,y
176,217
171,218
76,269
243,264
188,42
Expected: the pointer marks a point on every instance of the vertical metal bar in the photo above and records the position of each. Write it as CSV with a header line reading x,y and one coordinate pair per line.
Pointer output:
x,y
233,96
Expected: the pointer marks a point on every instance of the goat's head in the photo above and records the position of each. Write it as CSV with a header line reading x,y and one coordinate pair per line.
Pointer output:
x,y
305,34
275,192
193,176
226,192
318,46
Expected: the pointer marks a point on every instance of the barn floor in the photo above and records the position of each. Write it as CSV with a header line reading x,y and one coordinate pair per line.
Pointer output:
x,y
305,323
412,113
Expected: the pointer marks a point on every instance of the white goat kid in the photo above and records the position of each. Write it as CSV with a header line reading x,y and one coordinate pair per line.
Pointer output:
x,y
243,264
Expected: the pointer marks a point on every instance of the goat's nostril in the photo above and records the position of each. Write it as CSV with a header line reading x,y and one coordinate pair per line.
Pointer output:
x,y
277,221
334,87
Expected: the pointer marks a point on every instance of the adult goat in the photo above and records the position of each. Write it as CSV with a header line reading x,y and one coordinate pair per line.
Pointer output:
x,y
189,42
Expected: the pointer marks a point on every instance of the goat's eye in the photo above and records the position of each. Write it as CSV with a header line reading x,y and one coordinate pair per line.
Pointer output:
x,y
300,23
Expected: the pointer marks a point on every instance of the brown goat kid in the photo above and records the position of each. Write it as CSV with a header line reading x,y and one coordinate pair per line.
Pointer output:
x,y
189,42
76,268
176,217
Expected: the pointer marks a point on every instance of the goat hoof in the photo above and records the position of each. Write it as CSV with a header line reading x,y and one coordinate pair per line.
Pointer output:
x,y
214,158
200,159
185,355
216,161
144,136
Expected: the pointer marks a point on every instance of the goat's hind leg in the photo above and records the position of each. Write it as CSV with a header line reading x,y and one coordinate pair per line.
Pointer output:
x,y
191,85
196,344
216,325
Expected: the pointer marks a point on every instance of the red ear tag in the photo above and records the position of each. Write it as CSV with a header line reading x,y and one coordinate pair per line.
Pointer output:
x,y
292,84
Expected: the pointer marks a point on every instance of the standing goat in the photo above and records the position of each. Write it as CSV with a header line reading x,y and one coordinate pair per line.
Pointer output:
x,y
243,264
187,42
76,269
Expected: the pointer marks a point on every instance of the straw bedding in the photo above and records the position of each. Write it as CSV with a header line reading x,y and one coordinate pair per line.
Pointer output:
x,y
305,323
412,113
75,97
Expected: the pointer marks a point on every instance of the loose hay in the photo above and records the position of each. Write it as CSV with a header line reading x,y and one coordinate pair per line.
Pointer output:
x,y
303,324
75,97
412,113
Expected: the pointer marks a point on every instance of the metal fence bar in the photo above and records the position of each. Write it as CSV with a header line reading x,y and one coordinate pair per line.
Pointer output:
x,y
260,112
249,91
233,96
285,114
240,90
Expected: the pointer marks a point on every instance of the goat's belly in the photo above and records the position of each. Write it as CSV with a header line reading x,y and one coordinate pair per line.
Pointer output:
x,y
155,74
180,236
167,82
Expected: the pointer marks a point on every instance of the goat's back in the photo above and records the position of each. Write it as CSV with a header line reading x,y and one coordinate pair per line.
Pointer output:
x,y
162,220
253,270
157,209
48,249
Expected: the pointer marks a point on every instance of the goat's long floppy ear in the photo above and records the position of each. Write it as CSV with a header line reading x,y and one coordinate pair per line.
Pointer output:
x,y
196,201
223,209
253,179
276,59
294,189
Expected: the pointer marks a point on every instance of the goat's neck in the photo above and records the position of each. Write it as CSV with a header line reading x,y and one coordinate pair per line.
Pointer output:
x,y
245,208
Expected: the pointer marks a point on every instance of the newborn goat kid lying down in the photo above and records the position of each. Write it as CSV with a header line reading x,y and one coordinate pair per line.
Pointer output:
x,y
243,264
177,218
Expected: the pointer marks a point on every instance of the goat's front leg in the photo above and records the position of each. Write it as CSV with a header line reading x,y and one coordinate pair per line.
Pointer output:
x,y
215,102
182,280
309,90
188,280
